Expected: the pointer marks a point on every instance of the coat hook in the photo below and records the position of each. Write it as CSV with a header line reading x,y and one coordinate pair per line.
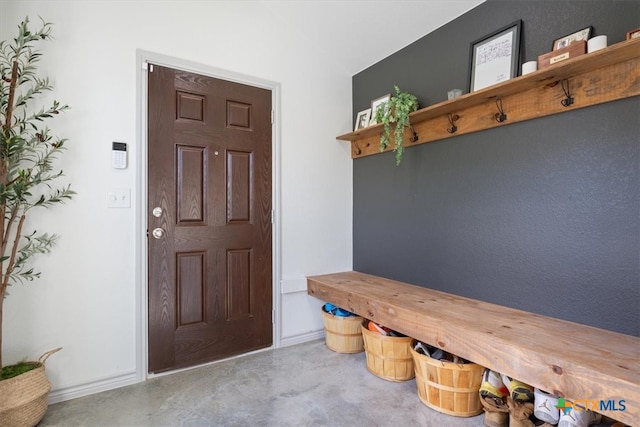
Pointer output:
x,y
414,135
567,93
452,119
500,115
357,150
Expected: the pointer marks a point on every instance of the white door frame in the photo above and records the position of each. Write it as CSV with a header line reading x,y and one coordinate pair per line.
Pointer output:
x,y
142,58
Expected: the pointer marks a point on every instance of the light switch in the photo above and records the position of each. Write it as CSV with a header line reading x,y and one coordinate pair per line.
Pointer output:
x,y
119,198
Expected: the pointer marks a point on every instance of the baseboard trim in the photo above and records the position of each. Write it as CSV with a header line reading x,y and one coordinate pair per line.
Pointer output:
x,y
130,378
68,393
302,338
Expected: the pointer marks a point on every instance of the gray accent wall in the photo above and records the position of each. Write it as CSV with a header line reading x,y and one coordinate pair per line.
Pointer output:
x,y
542,215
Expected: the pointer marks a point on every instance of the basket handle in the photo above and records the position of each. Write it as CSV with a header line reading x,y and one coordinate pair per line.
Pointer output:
x,y
45,356
460,365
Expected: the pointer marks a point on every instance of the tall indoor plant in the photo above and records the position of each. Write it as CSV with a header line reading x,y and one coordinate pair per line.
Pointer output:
x,y
27,180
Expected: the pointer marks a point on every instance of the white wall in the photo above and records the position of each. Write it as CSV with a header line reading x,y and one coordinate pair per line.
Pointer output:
x,y
86,299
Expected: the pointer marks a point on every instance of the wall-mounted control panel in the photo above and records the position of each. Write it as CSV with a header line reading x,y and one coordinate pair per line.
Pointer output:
x,y
119,155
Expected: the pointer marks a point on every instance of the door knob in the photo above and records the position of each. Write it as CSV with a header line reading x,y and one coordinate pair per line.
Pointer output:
x,y
157,211
158,233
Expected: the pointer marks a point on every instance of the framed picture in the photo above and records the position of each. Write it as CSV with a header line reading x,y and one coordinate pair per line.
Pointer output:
x,y
362,120
496,57
565,41
633,34
375,104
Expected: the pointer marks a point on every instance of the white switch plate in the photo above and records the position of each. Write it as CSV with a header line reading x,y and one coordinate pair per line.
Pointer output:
x,y
119,198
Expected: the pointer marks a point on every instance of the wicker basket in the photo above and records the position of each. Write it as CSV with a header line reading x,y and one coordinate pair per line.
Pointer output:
x,y
388,357
450,388
342,334
24,399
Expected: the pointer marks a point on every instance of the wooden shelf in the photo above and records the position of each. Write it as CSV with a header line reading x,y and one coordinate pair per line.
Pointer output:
x,y
606,75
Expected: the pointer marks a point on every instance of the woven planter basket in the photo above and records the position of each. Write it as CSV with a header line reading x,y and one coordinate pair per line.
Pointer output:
x,y
24,399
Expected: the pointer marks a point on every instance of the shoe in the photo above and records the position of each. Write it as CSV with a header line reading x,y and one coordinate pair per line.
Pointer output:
x,y
519,413
329,308
374,327
496,411
579,418
492,385
519,391
343,313
422,348
546,406
438,354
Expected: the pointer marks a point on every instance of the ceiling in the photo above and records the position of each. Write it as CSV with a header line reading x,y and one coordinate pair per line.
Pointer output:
x,y
359,33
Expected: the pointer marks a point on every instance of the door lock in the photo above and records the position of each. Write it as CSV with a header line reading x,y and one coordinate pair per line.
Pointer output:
x,y
157,211
157,233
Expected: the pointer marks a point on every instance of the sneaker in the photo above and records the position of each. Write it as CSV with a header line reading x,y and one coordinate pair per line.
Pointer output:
x,y
329,308
343,313
546,406
422,349
519,391
492,385
579,418
374,327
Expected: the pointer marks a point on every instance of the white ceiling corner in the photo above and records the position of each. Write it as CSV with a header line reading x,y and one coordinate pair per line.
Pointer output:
x,y
359,33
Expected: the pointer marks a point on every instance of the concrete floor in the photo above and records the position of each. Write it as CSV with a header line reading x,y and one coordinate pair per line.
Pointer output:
x,y
301,385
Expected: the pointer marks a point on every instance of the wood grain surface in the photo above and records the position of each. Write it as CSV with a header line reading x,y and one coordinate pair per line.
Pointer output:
x,y
572,360
595,78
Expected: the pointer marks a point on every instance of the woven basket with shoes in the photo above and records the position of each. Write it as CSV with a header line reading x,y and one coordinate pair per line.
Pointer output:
x,y
388,357
450,388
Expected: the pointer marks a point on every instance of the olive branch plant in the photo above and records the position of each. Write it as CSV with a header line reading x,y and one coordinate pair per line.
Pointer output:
x,y
27,155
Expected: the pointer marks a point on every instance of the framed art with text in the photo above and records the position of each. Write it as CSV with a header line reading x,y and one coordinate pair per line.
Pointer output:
x,y
495,57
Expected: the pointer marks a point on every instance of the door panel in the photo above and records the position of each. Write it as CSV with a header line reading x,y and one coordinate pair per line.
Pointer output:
x,y
210,278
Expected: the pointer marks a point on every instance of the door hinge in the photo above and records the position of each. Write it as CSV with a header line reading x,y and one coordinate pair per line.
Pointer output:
x,y
273,316
272,116
273,216
147,67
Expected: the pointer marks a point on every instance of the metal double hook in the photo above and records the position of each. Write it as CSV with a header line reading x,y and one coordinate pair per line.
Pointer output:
x,y
568,100
414,134
500,115
452,119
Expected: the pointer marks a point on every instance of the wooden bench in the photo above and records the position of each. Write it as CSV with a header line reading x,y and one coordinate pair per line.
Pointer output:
x,y
575,361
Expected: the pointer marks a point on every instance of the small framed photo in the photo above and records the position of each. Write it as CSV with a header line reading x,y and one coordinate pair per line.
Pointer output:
x,y
633,34
362,120
565,41
377,103
495,57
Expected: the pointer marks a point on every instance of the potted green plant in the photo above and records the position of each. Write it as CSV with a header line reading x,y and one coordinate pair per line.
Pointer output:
x,y
394,115
27,181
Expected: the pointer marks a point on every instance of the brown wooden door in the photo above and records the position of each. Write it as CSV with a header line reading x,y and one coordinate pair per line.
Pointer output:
x,y
209,173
